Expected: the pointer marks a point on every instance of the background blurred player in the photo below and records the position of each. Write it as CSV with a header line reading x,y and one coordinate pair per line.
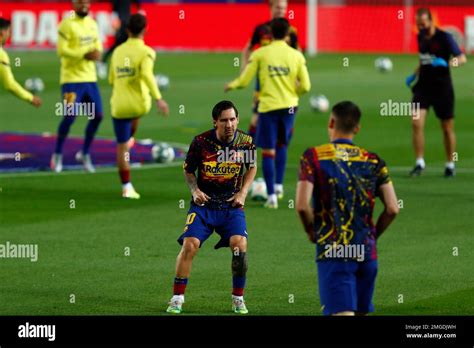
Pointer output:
x,y
262,36
121,9
343,180
434,87
134,85
79,47
283,76
218,197
6,75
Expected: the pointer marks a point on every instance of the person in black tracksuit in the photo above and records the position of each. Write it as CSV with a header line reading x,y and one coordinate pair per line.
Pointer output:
x,y
438,52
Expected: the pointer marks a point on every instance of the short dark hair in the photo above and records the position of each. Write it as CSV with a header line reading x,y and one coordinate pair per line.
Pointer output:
x,y
346,116
279,27
424,11
4,23
222,106
136,24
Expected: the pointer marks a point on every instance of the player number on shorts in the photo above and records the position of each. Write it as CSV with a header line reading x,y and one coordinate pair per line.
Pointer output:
x,y
70,98
190,218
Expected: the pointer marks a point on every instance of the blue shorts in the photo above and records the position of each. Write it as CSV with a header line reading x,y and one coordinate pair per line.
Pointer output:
x,y
83,92
201,222
275,127
346,285
123,129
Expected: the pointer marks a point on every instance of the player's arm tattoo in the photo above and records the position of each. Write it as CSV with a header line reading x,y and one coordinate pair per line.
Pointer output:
x,y
191,181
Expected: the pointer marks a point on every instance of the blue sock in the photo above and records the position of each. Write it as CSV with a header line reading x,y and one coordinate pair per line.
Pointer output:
x,y
63,131
280,162
268,164
238,285
91,129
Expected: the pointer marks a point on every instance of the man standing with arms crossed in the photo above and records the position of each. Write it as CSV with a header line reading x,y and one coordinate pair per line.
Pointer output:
x,y
283,77
342,180
79,47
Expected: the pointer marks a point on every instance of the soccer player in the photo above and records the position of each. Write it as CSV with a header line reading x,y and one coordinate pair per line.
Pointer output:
x,y
262,36
6,75
134,86
79,47
225,161
342,180
283,76
438,51
122,9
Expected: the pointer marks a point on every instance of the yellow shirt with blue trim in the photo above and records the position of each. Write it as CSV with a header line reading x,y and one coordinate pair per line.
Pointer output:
x,y
132,78
282,73
8,80
76,37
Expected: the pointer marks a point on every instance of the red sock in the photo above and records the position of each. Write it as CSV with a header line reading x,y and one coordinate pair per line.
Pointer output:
x,y
238,291
124,176
179,286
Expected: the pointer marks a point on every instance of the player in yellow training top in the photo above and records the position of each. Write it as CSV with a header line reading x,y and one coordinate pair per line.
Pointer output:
x,y
283,78
79,47
134,86
6,75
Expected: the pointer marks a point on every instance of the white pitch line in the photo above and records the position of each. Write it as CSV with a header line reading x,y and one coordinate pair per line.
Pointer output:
x,y
99,170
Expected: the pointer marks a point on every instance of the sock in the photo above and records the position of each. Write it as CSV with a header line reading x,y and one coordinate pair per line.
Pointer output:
x,y
421,162
450,165
127,186
124,176
252,131
280,162
278,188
238,285
91,129
63,131
273,197
268,164
180,286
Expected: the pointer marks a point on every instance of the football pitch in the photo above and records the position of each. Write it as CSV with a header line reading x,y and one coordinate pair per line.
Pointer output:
x,y
100,254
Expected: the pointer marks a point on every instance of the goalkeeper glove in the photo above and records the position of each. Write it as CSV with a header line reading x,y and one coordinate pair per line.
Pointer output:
x,y
439,62
409,80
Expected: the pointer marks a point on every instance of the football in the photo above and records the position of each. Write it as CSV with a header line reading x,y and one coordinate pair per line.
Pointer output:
x,y
162,153
319,103
162,81
258,190
383,64
34,84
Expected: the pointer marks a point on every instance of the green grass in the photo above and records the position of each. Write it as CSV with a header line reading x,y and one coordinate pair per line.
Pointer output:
x,y
81,250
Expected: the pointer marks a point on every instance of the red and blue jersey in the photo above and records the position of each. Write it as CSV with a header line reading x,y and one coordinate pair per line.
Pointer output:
x,y
346,180
220,166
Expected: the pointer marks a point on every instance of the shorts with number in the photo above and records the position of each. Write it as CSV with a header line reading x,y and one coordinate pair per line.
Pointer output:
x,y
83,92
201,222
